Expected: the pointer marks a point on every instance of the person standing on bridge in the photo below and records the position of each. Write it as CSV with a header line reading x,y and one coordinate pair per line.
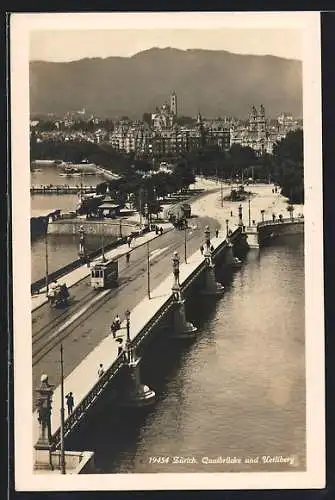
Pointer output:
x,y
217,233
202,249
116,324
273,217
128,258
120,346
101,370
231,213
69,403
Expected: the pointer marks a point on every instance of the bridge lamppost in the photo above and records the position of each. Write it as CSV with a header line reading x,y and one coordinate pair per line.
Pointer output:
x,y
207,236
240,215
62,417
43,404
262,214
127,316
148,269
175,268
249,212
227,227
82,240
185,241
46,262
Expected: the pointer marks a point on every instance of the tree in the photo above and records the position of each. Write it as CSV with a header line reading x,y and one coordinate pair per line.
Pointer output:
x,y
289,166
184,175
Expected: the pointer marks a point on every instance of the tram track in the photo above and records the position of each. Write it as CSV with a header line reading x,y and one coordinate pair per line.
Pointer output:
x,y
63,315
43,344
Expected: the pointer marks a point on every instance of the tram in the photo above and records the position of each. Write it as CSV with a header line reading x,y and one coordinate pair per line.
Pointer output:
x,y
104,274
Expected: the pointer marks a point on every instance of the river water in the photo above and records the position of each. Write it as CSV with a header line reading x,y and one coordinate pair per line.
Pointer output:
x,y
237,390
62,249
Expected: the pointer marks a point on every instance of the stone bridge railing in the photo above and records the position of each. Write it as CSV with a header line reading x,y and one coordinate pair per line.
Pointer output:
x,y
277,222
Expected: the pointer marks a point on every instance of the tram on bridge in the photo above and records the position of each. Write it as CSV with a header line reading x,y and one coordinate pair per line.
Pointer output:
x,y
104,274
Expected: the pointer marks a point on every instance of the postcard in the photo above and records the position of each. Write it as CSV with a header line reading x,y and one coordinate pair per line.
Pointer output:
x,y
168,325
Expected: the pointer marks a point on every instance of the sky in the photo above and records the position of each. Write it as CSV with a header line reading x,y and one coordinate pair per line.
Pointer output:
x,y
68,45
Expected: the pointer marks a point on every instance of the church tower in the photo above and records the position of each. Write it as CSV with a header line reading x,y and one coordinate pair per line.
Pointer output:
x,y
173,103
261,123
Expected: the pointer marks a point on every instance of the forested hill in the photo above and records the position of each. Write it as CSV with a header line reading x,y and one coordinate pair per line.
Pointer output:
x,y
214,82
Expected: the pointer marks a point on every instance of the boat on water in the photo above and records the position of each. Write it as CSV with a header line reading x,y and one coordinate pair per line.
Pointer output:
x,y
70,171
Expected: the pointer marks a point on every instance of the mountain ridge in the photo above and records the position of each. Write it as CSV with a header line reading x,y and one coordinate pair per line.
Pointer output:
x,y
216,82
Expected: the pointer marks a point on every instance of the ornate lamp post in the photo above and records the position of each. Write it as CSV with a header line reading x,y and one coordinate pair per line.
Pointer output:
x,y
146,213
148,269
208,247
43,403
46,262
227,227
249,212
175,268
207,236
82,239
127,316
185,242
240,215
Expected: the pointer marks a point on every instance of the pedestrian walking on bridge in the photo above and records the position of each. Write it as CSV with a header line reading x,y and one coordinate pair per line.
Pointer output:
x,y
217,233
202,249
101,370
69,403
128,258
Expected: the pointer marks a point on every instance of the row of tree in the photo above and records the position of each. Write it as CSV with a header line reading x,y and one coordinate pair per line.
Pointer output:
x,y
285,166
146,193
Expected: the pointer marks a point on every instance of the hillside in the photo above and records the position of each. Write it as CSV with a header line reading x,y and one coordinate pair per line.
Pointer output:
x,y
214,82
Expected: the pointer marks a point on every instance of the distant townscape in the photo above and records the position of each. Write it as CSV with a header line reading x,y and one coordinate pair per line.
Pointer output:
x,y
164,132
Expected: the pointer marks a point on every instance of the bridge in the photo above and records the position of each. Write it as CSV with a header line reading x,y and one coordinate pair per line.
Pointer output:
x,y
149,317
61,189
165,302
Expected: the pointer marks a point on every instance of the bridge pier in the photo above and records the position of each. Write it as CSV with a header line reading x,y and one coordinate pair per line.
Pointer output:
x,y
252,236
138,395
212,287
181,327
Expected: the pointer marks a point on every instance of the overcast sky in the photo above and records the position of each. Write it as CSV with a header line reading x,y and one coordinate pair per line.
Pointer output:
x,y
68,45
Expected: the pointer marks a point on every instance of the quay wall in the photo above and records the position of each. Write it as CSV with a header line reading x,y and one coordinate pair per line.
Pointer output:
x,y
96,227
